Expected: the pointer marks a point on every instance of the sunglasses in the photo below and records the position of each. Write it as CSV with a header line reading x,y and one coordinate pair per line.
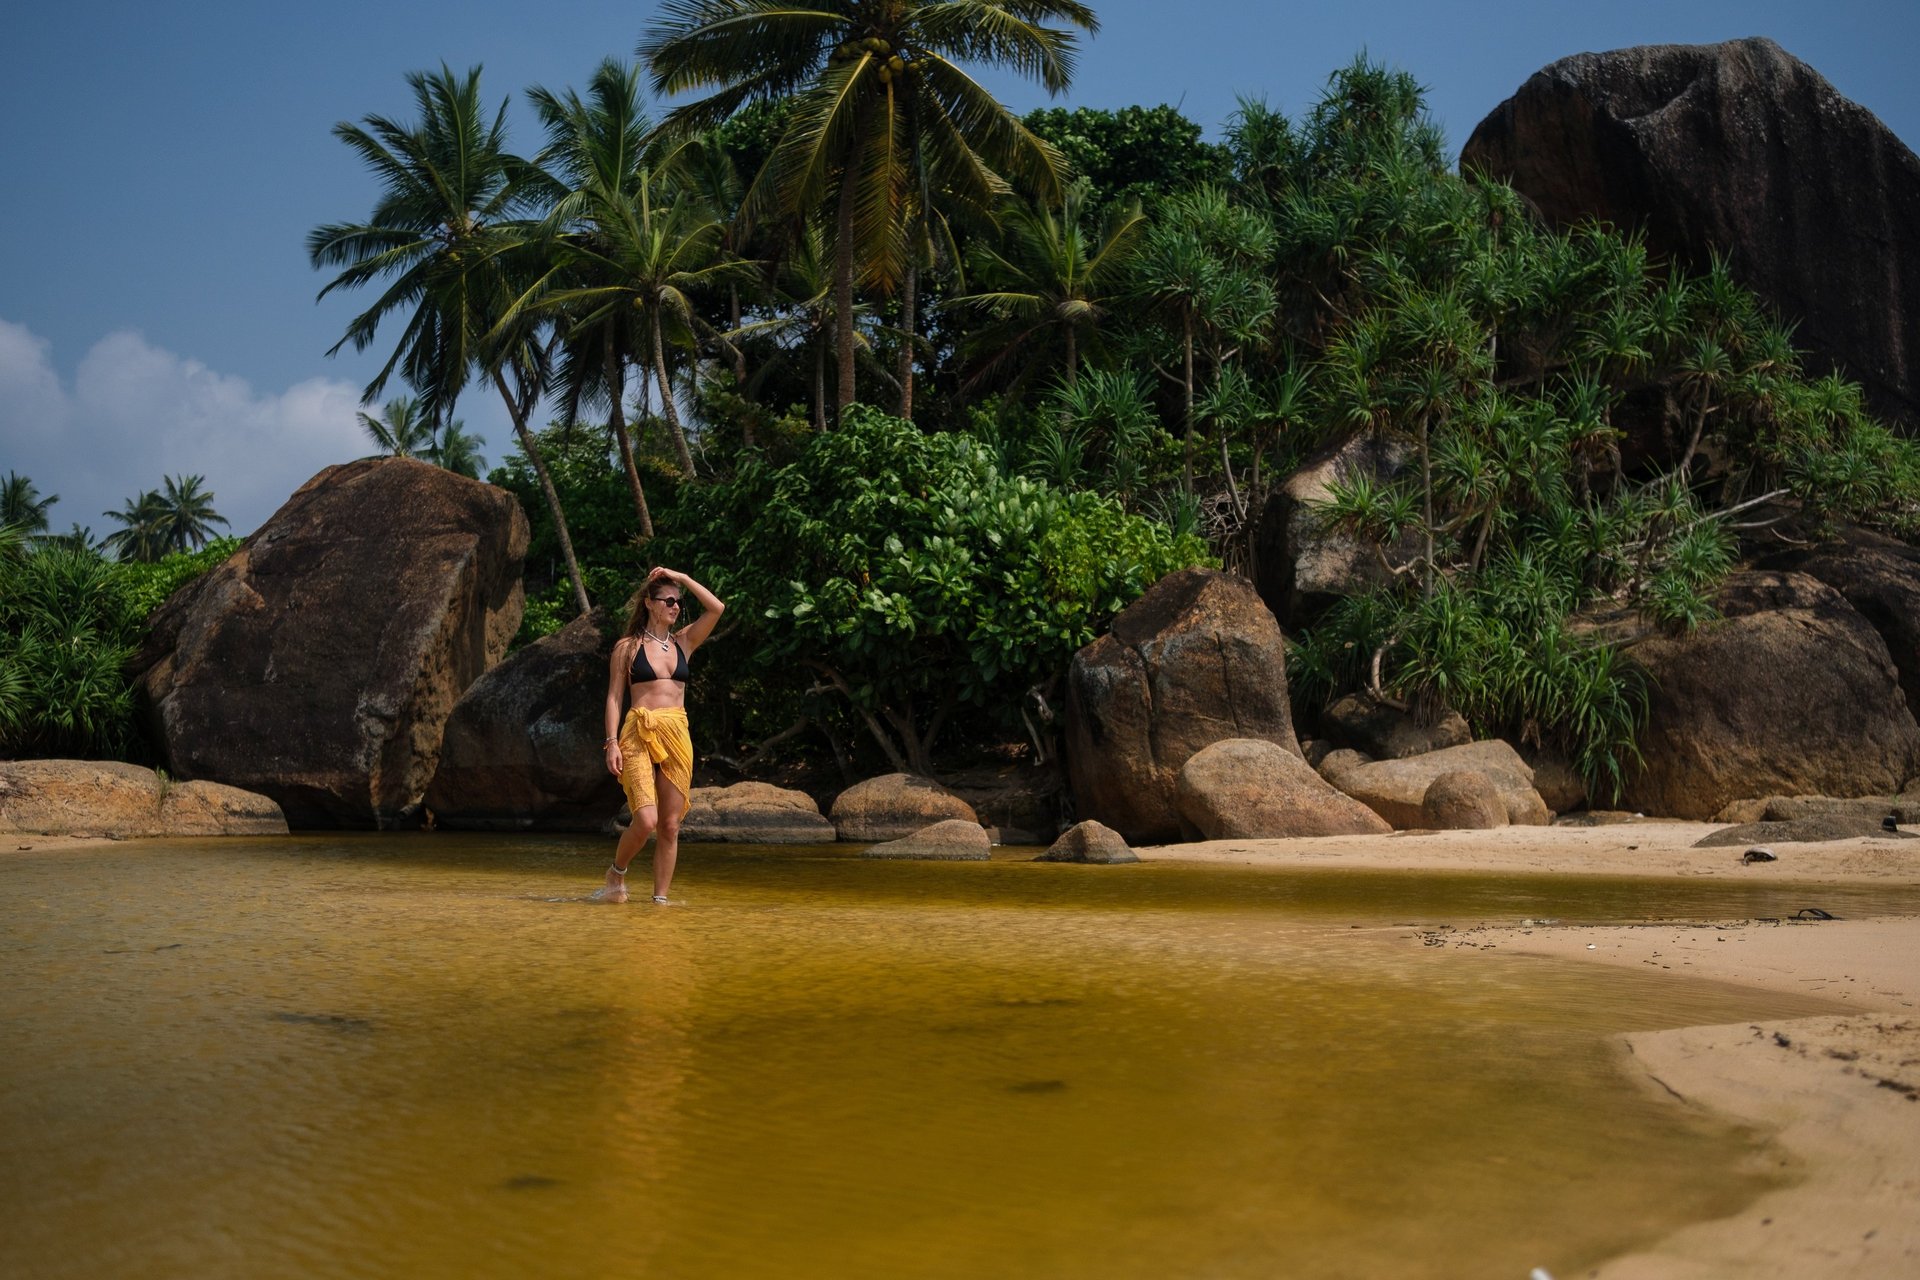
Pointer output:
x,y
672,602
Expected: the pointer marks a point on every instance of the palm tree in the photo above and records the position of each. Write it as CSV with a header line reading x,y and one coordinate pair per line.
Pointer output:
x,y
638,264
186,514
457,451
882,110
1051,279
598,150
22,507
139,536
448,237
400,430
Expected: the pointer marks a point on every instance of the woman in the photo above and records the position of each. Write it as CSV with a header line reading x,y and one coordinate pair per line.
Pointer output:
x,y
650,751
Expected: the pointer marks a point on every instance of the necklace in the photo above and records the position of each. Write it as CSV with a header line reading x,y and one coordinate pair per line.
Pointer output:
x,y
662,641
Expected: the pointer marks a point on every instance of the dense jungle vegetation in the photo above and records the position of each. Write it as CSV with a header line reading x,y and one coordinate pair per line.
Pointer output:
x,y
932,389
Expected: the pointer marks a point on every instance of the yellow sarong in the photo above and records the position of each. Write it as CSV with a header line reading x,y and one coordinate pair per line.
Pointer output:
x,y
655,736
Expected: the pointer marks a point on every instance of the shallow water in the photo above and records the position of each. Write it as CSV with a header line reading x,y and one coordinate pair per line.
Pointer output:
x,y
417,1056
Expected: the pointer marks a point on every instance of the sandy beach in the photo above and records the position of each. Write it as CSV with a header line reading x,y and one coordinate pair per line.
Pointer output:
x,y
1840,1095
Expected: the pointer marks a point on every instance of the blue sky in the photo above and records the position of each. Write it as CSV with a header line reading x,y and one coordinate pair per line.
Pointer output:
x,y
165,162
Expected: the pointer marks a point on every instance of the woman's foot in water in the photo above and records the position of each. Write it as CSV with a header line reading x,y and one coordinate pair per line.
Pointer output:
x,y
614,890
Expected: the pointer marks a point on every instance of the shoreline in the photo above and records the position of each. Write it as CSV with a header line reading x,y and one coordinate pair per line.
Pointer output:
x,y
1839,1096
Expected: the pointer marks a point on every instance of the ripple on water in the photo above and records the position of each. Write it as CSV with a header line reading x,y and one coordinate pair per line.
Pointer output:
x,y
414,1056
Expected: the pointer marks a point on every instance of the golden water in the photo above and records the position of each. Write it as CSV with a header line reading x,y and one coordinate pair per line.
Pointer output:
x,y
425,1056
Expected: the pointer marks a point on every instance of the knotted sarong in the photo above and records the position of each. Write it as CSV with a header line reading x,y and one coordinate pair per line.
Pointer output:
x,y
655,736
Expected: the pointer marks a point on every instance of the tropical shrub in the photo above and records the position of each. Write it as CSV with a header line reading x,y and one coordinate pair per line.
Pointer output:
x,y
69,621
913,577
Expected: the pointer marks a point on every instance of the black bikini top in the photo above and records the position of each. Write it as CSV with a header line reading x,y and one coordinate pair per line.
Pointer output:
x,y
642,670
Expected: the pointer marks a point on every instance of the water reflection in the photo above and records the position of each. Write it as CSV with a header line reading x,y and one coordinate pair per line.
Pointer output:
x,y
401,1056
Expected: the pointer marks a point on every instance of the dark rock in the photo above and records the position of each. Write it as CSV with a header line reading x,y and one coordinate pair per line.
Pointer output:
x,y
1300,563
319,663
1014,797
1388,733
1248,788
754,813
1560,785
1743,149
1089,842
1463,800
1195,660
895,805
125,802
1832,826
522,749
952,840
1791,692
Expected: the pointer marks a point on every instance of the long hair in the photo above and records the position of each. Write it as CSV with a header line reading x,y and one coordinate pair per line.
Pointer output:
x,y
637,615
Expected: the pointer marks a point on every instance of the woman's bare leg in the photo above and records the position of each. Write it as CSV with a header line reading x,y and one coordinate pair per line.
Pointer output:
x,y
632,840
666,844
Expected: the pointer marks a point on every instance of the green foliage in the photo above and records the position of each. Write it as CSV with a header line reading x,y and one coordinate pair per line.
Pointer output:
x,y
149,584
67,627
913,576
593,492
1134,153
69,621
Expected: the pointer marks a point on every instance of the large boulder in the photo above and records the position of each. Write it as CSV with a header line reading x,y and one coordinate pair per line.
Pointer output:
x,y
1195,660
950,840
1463,800
522,749
1790,693
1880,578
1397,789
125,801
894,805
1299,561
1744,150
755,813
319,663
1250,789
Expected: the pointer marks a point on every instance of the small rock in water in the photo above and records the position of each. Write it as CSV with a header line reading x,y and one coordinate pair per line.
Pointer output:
x,y
1759,853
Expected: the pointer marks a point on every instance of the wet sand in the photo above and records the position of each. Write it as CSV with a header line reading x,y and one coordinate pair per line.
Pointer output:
x,y
1841,1095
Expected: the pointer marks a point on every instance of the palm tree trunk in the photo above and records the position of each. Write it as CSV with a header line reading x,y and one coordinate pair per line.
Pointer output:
x,y
616,389
1073,356
667,410
907,299
820,382
843,273
1426,501
739,352
1187,389
547,490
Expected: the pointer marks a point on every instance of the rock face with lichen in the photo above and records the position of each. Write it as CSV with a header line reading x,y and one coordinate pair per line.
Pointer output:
x,y
1790,692
319,663
1738,149
1195,660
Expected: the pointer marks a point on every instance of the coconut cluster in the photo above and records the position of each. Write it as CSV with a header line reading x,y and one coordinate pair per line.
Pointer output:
x,y
891,63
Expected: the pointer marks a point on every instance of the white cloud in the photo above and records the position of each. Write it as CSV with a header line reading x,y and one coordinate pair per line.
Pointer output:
x,y
136,412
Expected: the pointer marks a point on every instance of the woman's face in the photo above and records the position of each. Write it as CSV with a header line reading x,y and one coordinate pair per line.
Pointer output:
x,y
663,605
